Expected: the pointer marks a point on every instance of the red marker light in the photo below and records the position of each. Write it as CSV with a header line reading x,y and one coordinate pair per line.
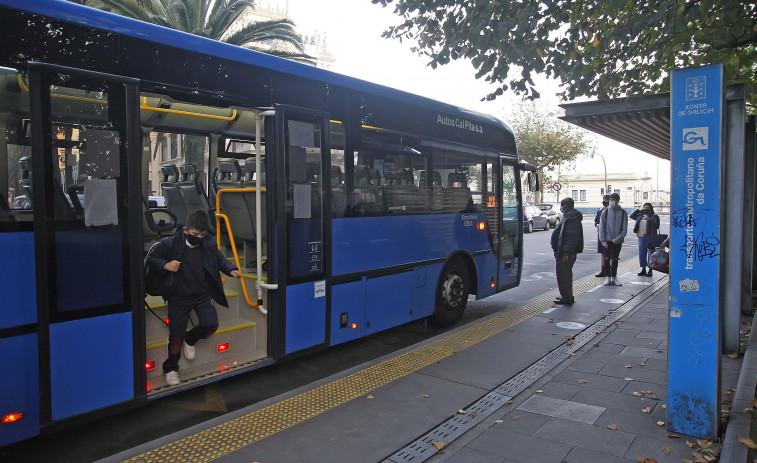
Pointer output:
x,y
353,326
222,347
166,320
481,225
492,285
11,417
150,365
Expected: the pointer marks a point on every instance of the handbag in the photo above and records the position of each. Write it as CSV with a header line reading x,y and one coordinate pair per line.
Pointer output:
x,y
660,260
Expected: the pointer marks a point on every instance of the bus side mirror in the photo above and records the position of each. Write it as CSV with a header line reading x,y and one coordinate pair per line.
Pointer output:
x,y
533,181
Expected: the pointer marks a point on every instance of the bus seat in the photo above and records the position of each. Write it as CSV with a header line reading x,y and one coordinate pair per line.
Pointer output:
x,y
25,182
192,190
338,193
158,222
400,192
171,192
250,174
457,195
435,192
227,174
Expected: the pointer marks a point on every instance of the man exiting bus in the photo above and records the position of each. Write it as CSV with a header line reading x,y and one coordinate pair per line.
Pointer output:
x,y
567,243
192,282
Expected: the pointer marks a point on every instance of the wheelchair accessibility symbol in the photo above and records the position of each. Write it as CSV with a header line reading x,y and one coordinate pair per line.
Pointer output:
x,y
695,138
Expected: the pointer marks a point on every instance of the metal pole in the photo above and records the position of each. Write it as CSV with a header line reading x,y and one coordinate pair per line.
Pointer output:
x,y
605,166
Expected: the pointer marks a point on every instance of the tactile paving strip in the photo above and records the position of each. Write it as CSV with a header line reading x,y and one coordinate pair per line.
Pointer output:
x,y
430,443
235,434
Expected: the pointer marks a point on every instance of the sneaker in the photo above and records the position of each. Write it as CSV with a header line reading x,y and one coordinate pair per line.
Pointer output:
x,y
616,282
189,351
643,272
172,378
649,273
608,282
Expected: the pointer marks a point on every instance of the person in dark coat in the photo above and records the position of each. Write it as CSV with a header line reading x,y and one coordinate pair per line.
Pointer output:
x,y
567,242
647,224
192,282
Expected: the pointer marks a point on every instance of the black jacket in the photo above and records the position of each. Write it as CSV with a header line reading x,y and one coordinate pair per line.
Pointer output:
x,y
653,222
568,237
213,261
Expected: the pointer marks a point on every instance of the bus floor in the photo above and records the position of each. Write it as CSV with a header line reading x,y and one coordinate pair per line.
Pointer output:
x,y
369,412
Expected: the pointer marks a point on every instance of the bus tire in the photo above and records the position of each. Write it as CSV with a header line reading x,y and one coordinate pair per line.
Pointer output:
x,y
451,294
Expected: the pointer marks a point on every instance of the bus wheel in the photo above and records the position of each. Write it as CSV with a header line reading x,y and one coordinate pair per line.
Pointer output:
x,y
451,295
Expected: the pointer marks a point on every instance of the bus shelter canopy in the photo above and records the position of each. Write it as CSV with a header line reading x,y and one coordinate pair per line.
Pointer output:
x,y
642,122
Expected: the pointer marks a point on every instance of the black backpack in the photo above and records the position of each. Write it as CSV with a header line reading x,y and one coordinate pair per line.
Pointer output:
x,y
154,280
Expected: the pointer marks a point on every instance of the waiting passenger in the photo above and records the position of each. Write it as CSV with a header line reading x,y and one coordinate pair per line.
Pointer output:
x,y
192,283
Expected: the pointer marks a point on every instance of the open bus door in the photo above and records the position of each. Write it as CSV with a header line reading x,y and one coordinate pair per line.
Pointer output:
x,y
510,242
303,232
84,178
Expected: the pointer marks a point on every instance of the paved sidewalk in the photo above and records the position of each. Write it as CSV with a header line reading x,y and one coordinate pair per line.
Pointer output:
x,y
605,404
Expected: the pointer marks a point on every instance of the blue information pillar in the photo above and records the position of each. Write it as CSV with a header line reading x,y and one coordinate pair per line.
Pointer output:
x,y
696,139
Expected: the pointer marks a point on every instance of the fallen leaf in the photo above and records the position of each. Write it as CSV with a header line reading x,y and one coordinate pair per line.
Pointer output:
x,y
660,423
748,410
628,366
628,379
753,402
638,394
748,442
514,417
732,389
660,351
733,356
690,444
646,460
646,410
666,451
655,397
664,405
686,460
539,391
509,402
425,396
673,435
499,421
613,427
461,412
438,445
596,345
473,414
582,381
642,364
369,397
570,341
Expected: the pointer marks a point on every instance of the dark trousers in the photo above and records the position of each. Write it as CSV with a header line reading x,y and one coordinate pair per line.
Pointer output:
x,y
179,309
612,253
564,271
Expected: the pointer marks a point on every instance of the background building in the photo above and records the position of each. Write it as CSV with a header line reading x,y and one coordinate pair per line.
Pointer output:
x,y
634,190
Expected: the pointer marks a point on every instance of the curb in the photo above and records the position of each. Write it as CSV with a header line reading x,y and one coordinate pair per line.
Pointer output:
x,y
740,421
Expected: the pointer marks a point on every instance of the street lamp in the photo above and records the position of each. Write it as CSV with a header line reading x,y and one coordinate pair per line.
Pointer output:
x,y
605,165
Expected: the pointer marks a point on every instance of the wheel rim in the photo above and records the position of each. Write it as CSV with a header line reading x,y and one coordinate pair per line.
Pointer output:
x,y
453,290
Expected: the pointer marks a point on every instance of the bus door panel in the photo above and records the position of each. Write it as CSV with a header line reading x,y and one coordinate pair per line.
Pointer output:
x,y
85,173
302,148
511,230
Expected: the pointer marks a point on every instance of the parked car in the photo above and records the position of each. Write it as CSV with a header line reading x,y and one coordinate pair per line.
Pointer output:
x,y
534,218
554,216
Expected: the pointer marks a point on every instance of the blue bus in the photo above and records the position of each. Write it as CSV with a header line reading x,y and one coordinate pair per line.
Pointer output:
x,y
349,207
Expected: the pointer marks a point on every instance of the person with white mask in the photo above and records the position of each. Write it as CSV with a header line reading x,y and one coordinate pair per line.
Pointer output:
x,y
613,226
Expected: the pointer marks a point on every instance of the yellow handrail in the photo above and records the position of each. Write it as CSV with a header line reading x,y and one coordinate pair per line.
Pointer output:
x,y
144,105
225,218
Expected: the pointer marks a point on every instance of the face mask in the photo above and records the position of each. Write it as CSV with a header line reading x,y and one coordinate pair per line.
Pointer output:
x,y
613,203
605,203
562,209
647,212
194,240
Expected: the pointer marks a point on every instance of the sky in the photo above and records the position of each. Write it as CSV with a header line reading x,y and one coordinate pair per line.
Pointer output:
x,y
353,29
